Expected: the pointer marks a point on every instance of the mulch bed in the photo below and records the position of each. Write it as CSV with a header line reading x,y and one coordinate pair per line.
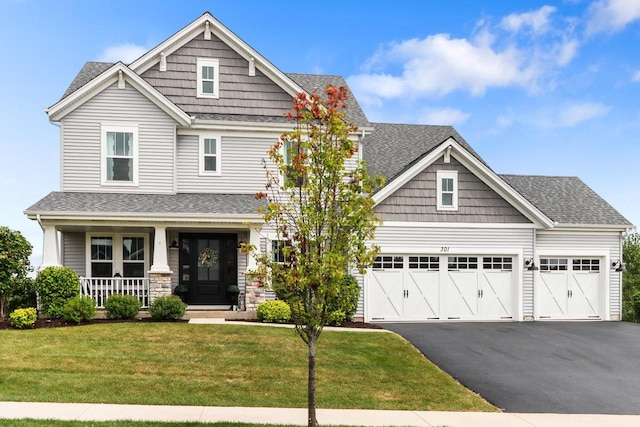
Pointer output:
x,y
60,323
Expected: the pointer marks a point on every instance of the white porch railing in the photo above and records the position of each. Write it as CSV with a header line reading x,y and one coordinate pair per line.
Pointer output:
x,y
101,288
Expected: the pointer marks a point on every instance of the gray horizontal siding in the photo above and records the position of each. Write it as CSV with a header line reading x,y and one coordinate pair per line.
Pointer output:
x,y
477,203
74,253
239,92
241,166
81,151
584,242
494,240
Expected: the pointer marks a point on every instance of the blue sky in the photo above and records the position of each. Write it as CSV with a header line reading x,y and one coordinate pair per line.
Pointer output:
x,y
541,88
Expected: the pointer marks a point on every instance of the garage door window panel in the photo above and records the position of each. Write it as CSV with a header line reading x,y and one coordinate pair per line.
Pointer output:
x,y
431,263
554,264
591,265
388,262
462,263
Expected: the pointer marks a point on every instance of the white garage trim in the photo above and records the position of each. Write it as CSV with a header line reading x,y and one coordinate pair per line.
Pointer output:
x,y
603,293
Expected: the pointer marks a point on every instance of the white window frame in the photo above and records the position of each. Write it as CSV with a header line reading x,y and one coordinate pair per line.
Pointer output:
x,y
448,174
117,258
106,128
208,62
201,154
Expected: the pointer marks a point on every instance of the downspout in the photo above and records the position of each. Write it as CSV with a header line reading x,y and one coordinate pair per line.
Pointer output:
x,y
533,276
59,126
39,222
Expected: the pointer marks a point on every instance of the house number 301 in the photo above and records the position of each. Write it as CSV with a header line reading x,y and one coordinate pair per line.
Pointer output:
x,y
444,248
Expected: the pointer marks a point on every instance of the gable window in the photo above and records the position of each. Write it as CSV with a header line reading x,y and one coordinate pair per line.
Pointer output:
x,y
119,159
208,71
210,155
447,190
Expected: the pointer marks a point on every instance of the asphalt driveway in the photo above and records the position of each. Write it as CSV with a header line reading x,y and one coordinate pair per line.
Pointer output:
x,y
552,367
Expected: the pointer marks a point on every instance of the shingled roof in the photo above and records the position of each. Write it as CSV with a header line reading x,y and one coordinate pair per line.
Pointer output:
x,y
393,148
317,82
566,200
125,203
309,82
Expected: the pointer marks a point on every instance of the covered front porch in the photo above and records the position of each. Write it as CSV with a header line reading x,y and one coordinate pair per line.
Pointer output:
x,y
148,245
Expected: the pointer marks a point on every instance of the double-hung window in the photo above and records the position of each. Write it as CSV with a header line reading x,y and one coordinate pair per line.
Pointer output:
x,y
117,254
293,177
119,155
208,71
447,190
277,250
210,155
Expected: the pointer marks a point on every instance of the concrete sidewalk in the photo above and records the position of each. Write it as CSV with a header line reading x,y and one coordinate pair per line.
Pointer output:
x,y
298,416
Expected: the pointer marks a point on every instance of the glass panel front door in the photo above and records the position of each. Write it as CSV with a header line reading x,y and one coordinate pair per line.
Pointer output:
x,y
208,264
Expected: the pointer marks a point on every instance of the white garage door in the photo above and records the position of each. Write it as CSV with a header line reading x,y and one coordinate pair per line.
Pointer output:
x,y
423,287
570,288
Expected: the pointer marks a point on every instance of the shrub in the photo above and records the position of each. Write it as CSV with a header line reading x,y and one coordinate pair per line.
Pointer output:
x,y
345,304
23,317
23,295
79,309
122,306
341,307
168,307
55,285
276,311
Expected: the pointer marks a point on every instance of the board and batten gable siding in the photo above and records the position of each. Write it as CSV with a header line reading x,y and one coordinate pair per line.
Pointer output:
x,y
460,241
240,165
81,139
239,93
477,203
74,252
581,243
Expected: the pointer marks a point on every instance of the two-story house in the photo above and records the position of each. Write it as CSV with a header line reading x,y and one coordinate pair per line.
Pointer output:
x,y
161,158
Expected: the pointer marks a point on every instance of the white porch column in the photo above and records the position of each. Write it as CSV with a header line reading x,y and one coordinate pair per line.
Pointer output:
x,y
50,247
254,239
160,261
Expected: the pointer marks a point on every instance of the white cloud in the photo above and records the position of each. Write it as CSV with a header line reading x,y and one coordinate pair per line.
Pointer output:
x,y
438,65
566,51
635,77
537,20
610,16
445,116
576,113
126,53
489,58
569,114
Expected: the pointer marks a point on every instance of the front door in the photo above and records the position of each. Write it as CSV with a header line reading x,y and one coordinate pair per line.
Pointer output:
x,y
208,264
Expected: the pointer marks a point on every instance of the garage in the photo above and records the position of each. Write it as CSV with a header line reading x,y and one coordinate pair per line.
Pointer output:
x,y
570,288
441,287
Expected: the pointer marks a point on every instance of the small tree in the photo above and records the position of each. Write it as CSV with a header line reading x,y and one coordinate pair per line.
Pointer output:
x,y
631,278
15,251
322,213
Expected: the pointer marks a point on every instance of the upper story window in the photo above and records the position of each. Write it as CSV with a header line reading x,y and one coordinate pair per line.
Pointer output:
x,y
210,155
291,150
208,72
119,159
447,189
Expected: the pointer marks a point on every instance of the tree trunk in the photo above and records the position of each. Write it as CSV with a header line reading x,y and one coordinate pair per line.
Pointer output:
x,y
311,396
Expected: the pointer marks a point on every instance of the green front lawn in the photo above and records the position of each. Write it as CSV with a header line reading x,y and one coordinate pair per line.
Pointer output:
x,y
222,365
